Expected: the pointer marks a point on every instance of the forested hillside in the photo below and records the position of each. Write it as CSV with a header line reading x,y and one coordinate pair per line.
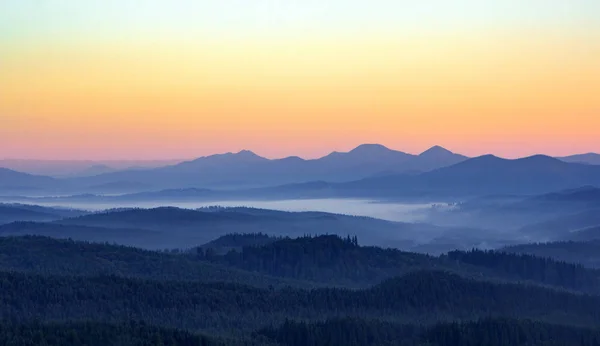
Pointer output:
x,y
586,253
47,256
278,291
488,332
419,297
540,270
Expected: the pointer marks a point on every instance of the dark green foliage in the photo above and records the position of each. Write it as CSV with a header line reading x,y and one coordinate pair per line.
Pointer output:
x,y
347,331
24,212
418,297
235,241
98,334
69,283
586,253
302,262
530,268
66,257
503,332
488,332
242,239
329,259
342,262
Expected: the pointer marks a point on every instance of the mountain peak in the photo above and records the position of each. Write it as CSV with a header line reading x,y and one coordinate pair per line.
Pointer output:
x,y
370,148
248,154
241,156
541,159
436,150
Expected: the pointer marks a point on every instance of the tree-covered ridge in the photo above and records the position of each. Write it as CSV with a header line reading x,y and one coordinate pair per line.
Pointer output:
x,y
488,332
303,262
586,253
328,258
99,334
345,331
11,212
236,241
418,297
342,261
395,297
531,268
41,255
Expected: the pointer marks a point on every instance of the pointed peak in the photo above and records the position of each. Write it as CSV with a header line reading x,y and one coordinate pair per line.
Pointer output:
x,y
247,153
436,150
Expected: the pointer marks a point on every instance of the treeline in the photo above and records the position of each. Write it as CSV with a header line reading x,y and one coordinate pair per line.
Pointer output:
x,y
488,332
586,253
100,334
418,297
346,331
47,256
329,259
387,296
341,261
235,241
530,268
304,262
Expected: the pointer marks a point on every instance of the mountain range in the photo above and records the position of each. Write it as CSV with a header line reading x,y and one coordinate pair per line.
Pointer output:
x,y
246,169
478,176
73,168
369,170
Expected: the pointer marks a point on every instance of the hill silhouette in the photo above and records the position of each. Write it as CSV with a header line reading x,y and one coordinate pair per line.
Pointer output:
x,y
589,158
14,182
23,212
184,228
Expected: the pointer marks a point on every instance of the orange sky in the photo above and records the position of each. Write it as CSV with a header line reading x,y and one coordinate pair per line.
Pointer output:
x,y
509,90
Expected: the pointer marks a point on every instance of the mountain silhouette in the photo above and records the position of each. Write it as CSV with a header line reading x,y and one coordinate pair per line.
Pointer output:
x,y
589,158
22,212
433,158
13,181
365,154
241,157
184,227
482,175
490,174
246,169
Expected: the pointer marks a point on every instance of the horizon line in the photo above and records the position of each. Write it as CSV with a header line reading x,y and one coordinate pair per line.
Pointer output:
x,y
179,160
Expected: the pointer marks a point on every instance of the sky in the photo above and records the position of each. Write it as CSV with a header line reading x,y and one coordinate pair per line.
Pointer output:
x,y
154,79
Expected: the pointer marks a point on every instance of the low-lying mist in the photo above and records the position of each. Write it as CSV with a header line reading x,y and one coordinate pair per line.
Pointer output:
x,y
402,212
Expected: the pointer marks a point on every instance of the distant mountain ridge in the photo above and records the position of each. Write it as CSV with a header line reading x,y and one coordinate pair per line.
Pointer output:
x,y
170,227
72,168
13,181
246,169
369,170
589,158
23,212
483,175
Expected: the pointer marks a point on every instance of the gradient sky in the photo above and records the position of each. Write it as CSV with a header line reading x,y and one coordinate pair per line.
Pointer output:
x,y
151,79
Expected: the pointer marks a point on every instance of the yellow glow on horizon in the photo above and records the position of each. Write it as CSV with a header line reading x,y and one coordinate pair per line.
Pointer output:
x,y
308,96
